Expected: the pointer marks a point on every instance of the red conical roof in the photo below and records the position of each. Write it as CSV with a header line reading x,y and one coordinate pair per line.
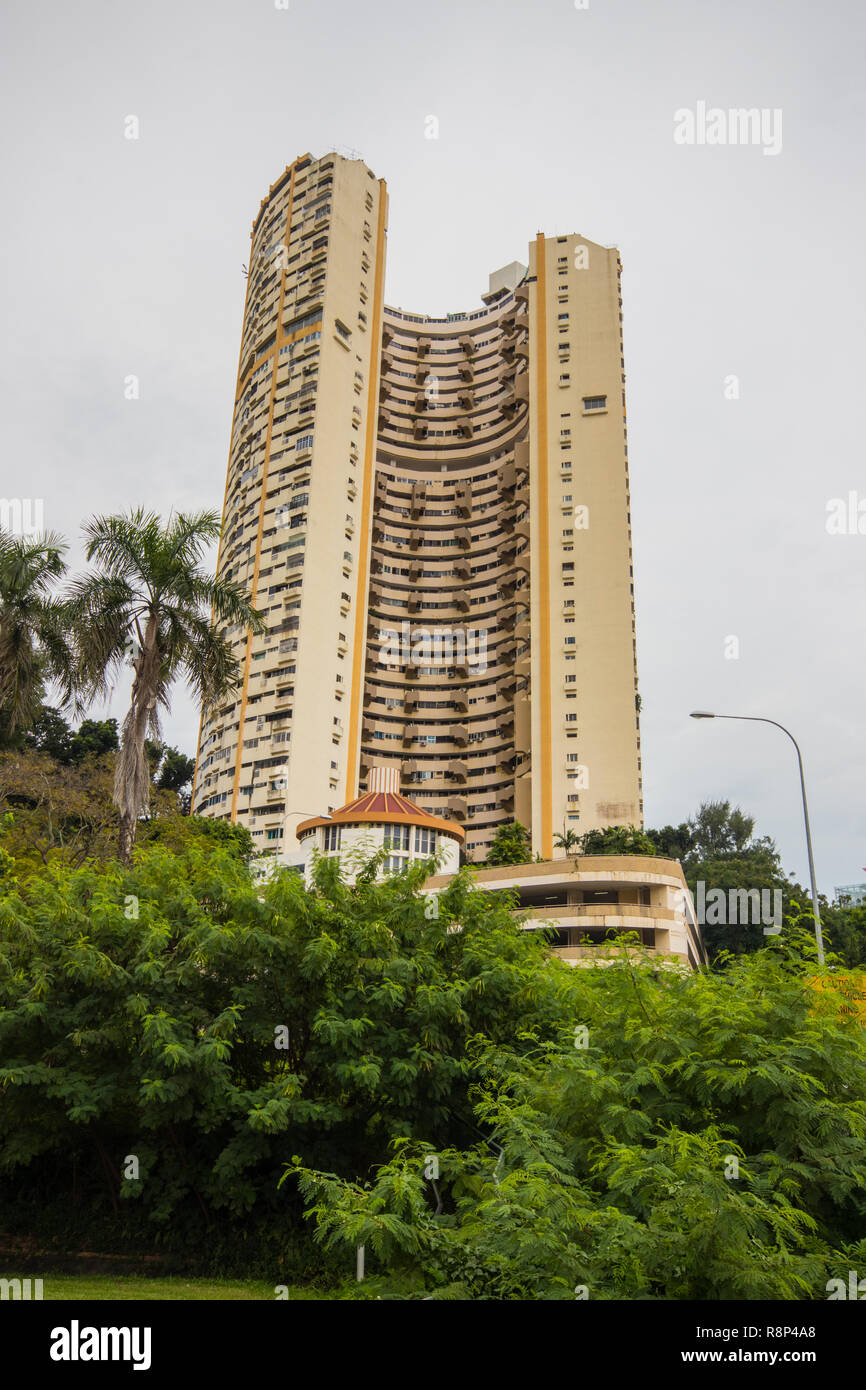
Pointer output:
x,y
383,808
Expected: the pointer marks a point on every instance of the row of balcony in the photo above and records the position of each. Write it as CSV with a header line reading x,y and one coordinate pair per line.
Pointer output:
x,y
513,346
512,478
507,584
516,531
514,619
418,497
460,732
461,666
399,414
514,314
507,687
462,384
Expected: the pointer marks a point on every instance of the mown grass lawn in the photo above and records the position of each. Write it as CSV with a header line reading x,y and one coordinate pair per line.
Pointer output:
x,y
101,1287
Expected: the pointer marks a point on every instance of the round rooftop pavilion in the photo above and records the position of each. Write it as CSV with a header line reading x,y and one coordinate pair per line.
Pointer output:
x,y
382,819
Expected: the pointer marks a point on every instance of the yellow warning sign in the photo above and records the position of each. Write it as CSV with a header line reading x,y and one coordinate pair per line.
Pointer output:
x,y
851,984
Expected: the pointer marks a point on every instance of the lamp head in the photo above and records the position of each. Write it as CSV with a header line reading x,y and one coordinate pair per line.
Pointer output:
x,y
701,714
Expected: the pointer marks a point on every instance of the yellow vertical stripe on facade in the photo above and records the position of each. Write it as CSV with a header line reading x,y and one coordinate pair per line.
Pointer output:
x,y
264,498
225,504
357,695
544,547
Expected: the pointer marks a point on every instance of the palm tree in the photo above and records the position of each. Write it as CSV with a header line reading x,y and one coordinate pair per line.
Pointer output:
x,y
149,600
33,647
569,840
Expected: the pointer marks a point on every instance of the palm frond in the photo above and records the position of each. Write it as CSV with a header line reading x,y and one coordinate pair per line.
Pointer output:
x,y
123,544
189,536
149,582
33,645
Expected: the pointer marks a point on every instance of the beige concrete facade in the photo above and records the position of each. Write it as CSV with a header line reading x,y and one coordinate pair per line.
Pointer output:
x,y
587,898
393,475
296,522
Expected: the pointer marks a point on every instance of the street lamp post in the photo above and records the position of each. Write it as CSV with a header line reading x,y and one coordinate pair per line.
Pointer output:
x,y
282,776
756,719
322,815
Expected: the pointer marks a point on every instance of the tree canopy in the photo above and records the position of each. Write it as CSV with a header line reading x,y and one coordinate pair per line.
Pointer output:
x,y
489,1121
510,845
147,600
33,628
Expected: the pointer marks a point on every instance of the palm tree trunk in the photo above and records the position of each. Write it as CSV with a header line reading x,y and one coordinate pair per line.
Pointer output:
x,y
132,769
125,838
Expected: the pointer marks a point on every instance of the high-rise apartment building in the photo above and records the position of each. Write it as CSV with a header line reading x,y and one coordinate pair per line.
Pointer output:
x,y
434,516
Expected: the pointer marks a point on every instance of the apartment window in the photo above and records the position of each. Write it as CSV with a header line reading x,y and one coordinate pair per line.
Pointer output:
x,y
425,840
595,402
397,837
341,328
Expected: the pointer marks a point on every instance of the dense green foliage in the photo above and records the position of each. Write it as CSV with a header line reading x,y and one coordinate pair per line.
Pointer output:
x,y
179,1013
51,734
510,845
59,785
616,839
584,1120
723,852
175,770
705,1143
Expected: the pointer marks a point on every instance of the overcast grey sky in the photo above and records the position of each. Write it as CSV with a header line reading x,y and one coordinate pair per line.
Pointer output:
x,y
125,257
